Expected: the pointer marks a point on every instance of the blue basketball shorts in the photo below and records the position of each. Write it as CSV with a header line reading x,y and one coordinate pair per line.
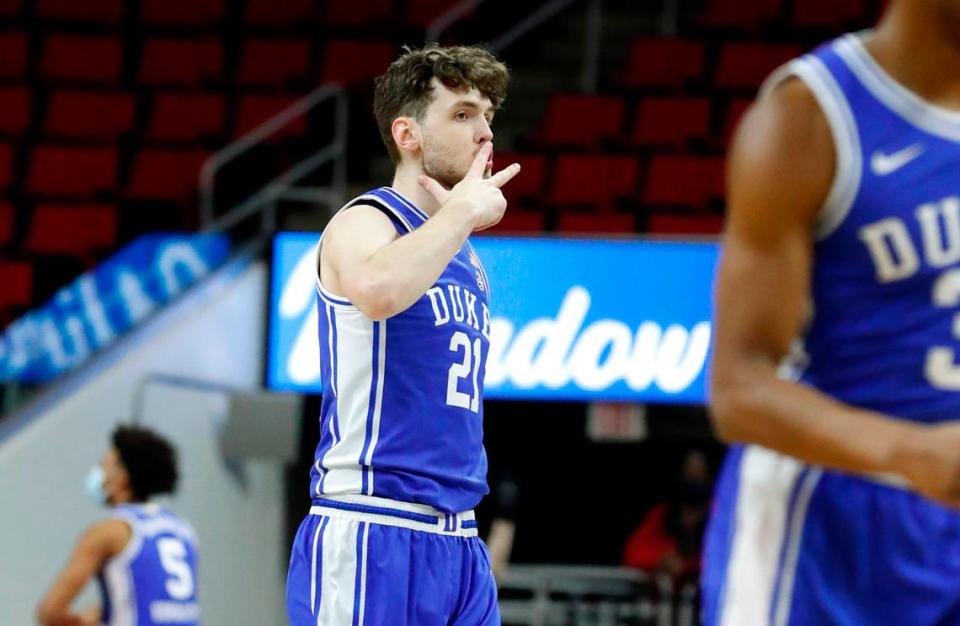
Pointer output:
x,y
367,561
789,544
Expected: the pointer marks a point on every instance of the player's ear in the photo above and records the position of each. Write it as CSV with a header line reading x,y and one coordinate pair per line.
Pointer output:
x,y
406,134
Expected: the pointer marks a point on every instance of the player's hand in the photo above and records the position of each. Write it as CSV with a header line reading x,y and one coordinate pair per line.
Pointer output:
x,y
477,196
930,461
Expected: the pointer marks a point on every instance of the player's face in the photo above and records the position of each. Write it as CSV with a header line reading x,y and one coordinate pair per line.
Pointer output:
x,y
455,126
114,475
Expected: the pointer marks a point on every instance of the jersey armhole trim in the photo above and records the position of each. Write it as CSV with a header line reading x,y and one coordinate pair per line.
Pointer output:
x,y
337,300
843,128
135,543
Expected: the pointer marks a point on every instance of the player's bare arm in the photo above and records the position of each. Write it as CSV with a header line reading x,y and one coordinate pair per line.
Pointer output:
x,y
780,172
96,546
363,258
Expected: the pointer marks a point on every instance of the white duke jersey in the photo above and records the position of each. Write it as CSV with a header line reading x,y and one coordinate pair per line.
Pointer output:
x,y
402,409
154,580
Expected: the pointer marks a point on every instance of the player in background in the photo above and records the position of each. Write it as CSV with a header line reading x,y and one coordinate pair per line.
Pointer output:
x,y
391,538
842,250
143,556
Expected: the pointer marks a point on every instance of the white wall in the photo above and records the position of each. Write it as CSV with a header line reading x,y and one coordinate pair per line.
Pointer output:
x,y
214,334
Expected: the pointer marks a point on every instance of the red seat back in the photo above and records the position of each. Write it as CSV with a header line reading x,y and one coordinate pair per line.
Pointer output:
x,y
581,120
62,170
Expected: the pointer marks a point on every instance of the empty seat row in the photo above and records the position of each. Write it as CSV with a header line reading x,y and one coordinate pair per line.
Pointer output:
x,y
189,116
96,59
201,13
599,181
752,15
675,62
586,121
88,171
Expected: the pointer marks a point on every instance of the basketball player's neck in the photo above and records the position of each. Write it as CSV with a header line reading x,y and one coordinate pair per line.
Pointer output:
x,y
918,43
405,182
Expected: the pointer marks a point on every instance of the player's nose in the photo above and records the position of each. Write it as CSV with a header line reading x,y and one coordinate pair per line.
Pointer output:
x,y
485,133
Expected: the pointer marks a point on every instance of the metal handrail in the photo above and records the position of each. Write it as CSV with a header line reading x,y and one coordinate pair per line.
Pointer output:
x,y
527,24
273,189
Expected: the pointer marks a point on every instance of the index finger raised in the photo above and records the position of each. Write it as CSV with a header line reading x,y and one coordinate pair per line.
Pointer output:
x,y
480,161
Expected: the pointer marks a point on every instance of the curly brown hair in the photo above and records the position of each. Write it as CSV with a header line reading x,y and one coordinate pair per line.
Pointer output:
x,y
405,89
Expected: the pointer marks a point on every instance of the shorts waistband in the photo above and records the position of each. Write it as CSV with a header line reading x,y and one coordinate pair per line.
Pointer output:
x,y
395,513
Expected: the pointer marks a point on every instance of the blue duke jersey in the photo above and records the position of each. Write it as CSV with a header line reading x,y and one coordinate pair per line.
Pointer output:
x,y
154,580
402,408
793,544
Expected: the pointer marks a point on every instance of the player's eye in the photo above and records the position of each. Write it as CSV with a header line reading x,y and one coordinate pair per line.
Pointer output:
x,y
461,115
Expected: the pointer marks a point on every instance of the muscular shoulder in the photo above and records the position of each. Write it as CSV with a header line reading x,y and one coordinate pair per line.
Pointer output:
x,y
107,538
782,160
359,220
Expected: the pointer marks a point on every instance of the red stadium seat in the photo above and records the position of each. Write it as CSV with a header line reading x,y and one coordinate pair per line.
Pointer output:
x,y
670,122
748,15
61,170
181,12
17,280
187,116
103,11
6,165
422,12
745,65
519,221
358,13
6,222
71,229
10,8
89,115
353,63
82,58
282,12
275,62
684,180
664,62
15,103
671,224
593,223
13,55
828,14
596,180
581,120
165,174
529,183
735,110
181,62
253,110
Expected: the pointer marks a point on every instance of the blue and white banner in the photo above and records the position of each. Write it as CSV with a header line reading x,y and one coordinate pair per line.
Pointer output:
x,y
572,319
92,311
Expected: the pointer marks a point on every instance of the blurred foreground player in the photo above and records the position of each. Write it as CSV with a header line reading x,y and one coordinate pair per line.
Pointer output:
x,y
844,229
391,539
144,556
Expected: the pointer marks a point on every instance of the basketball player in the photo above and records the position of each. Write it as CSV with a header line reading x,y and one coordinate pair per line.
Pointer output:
x,y
391,539
843,228
144,557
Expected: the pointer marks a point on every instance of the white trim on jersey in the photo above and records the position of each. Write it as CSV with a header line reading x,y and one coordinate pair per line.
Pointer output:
x,y
339,573
846,139
118,577
765,482
781,616
377,403
924,115
396,194
352,346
